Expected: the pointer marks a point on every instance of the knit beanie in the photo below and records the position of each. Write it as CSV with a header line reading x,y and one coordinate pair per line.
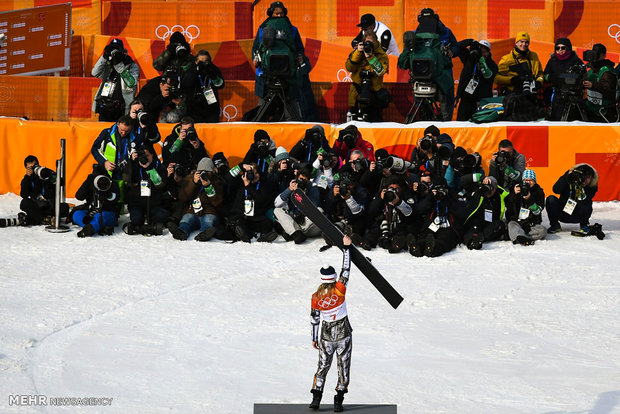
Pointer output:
x,y
522,36
281,154
260,135
206,164
328,274
529,174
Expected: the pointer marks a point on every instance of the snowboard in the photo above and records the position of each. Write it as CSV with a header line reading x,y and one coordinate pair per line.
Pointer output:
x,y
333,233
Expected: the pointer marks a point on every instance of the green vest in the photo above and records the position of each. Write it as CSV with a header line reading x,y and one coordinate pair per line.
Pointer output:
x,y
596,101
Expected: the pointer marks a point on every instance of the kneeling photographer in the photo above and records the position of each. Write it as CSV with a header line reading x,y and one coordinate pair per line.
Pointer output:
x,y
119,75
183,146
98,213
564,71
524,207
601,83
146,185
296,226
38,192
507,164
201,192
307,148
368,63
346,204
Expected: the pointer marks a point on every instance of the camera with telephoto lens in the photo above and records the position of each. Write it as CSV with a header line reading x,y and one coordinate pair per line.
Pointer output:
x,y
43,172
369,46
390,194
301,183
525,189
143,117
326,162
142,157
397,165
472,161
102,183
345,185
180,170
502,158
360,164
181,50
365,91
576,177
426,144
249,175
191,134
487,189
204,176
116,56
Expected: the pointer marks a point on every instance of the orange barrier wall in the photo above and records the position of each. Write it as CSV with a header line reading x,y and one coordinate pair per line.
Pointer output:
x,y
549,150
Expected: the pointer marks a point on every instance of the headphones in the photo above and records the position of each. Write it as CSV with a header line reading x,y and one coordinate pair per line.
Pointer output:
x,y
427,13
273,6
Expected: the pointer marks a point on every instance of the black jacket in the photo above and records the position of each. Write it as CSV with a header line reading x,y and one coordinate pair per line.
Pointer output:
x,y
514,202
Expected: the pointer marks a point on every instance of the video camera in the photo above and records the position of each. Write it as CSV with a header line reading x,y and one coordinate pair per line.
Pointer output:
x,y
571,82
590,56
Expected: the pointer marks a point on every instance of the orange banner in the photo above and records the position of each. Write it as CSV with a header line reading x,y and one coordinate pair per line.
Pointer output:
x,y
546,148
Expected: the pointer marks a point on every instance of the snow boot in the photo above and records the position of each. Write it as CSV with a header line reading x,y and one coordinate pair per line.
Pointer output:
x,y
429,242
108,230
241,234
87,231
176,232
523,241
416,249
298,236
316,399
338,399
205,235
268,237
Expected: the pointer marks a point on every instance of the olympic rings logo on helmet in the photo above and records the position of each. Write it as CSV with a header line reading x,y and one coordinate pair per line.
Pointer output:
x,y
191,32
616,36
346,78
229,117
327,302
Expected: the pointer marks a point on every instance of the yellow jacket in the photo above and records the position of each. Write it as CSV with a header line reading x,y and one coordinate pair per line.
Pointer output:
x,y
357,62
504,74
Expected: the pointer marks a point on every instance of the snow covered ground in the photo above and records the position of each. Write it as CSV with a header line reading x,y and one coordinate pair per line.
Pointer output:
x,y
160,325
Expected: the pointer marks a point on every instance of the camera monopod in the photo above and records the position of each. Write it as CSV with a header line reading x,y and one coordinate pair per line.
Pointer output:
x,y
60,191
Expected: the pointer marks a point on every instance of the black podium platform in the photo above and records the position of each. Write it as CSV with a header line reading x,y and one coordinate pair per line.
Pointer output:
x,y
325,408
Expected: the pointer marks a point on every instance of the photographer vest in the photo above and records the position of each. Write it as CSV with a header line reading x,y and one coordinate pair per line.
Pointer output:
x,y
597,101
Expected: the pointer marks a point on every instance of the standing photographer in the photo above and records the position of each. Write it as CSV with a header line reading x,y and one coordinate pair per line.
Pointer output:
x,y
524,207
477,76
38,192
368,63
368,23
520,57
562,62
119,74
200,85
162,97
601,83
177,56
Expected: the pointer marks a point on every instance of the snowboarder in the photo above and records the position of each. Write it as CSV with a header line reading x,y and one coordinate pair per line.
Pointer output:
x,y
328,304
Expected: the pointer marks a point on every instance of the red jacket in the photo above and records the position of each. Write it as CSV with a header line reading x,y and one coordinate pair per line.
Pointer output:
x,y
364,146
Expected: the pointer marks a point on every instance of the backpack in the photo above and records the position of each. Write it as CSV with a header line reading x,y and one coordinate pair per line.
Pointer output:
x,y
488,113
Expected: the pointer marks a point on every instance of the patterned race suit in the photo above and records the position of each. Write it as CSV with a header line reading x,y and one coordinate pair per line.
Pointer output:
x,y
328,305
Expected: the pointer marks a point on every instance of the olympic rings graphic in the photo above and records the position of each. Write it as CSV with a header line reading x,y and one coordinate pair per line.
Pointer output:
x,y
616,27
191,32
346,78
228,116
327,302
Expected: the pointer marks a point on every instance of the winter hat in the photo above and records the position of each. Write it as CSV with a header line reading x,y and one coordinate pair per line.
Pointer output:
x,y
433,130
522,36
118,43
206,164
486,44
177,37
600,49
445,140
260,135
319,129
381,154
564,41
328,274
366,20
529,174
281,154
219,159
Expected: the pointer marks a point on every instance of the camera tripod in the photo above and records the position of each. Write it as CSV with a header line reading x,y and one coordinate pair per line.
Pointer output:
x,y
423,109
573,102
276,105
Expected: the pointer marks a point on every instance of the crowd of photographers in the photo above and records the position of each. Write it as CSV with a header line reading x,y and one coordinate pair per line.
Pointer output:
x,y
427,204
567,88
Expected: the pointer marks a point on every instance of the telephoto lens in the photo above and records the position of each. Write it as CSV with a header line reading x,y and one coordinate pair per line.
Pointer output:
x,y
204,176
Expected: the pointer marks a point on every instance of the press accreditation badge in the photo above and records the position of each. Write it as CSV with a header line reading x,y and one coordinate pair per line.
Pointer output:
x,y
197,205
595,97
570,206
210,96
145,190
249,208
524,213
322,182
108,89
471,86
488,215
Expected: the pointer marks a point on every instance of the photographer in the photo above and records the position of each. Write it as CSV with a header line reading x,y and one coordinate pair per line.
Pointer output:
x,y
367,64
202,192
146,185
346,203
388,216
562,62
507,165
307,148
183,147
484,212
442,228
462,163
476,81
200,85
295,225
38,192
325,167
119,74
177,56
162,98
350,139
524,207
600,84
144,129
112,148
576,188
98,214
253,200
368,23
261,152
520,54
